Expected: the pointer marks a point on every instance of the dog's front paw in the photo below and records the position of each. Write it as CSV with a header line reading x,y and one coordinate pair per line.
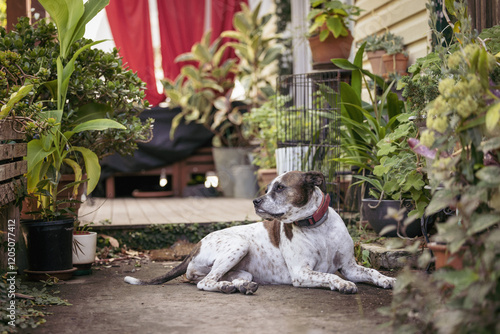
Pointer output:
x,y
387,282
346,287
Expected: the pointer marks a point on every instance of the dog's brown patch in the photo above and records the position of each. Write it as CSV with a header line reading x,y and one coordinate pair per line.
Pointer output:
x,y
288,231
295,181
273,229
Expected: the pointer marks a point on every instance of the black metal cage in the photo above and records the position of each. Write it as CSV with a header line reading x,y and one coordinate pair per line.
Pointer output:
x,y
308,111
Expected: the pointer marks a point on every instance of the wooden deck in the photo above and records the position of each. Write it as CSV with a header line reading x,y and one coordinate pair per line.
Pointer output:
x,y
141,212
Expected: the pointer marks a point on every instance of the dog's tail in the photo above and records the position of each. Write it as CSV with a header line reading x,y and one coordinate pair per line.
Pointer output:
x,y
174,273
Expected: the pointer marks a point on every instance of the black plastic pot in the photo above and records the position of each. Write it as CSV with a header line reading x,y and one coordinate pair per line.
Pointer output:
x,y
49,244
375,213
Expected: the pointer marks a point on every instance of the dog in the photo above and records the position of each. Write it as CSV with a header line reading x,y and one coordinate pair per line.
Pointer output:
x,y
302,241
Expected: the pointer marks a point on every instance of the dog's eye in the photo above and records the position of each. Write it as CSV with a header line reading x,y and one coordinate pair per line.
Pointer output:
x,y
279,188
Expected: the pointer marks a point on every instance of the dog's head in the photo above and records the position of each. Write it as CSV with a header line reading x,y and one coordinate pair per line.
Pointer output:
x,y
291,196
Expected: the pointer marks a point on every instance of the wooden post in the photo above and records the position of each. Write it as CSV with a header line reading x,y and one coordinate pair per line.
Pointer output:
x,y
484,13
16,9
12,168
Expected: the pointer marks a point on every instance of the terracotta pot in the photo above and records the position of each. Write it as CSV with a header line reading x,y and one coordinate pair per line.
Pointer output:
x,y
30,204
375,58
395,63
331,47
443,257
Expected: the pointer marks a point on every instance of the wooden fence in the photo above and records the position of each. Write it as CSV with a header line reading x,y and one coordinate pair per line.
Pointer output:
x,y
12,168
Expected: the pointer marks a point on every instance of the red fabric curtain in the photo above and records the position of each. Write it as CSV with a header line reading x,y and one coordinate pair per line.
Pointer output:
x,y
181,25
130,26
222,19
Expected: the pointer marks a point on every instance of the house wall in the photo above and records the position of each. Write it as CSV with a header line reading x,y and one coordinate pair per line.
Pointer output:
x,y
407,18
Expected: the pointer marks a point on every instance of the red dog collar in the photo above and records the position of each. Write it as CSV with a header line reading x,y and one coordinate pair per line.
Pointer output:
x,y
318,217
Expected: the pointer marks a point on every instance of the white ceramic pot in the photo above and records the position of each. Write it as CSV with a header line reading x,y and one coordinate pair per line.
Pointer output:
x,y
84,248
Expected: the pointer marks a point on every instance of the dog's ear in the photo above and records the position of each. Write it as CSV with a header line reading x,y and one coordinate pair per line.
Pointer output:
x,y
316,179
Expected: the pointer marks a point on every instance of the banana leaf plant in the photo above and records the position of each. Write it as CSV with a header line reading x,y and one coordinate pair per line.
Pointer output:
x,y
48,153
363,124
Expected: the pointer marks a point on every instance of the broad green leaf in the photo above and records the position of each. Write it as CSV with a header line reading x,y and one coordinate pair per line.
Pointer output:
x,y
92,167
201,53
92,8
77,170
345,64
492,116
36,153
334,23
233,34
480,222
489,174
65,14
441,200
91,111
95,125
271,55
15,98
240,23
323,35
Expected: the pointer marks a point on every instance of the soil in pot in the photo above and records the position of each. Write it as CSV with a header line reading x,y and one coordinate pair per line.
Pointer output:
x,y
375,211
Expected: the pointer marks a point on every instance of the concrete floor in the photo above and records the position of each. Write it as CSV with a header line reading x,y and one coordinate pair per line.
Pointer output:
x,y
103,303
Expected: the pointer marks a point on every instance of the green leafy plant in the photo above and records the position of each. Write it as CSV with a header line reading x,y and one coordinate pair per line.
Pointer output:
x,y
463,141
47,154
203,91
363,124
99,87
374,138
373,42
331,17
400,173
261,123
257,52
392,43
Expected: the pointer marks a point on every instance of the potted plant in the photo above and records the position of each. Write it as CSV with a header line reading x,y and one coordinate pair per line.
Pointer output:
x,y
462,129
329,31
374,49
398,181
97,79
396,58
205,91
51,148
463,140
84,249
262,128
373,140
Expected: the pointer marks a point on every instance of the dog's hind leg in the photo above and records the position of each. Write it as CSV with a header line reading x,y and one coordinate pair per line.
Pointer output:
x,y
233,253
242,280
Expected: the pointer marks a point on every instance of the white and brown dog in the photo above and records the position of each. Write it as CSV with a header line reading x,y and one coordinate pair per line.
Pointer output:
x,y
302,242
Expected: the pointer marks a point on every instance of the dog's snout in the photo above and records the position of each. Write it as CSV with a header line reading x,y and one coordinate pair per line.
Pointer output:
x,y
257,201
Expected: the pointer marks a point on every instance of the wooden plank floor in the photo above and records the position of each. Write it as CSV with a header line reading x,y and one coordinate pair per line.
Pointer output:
x,y
141,212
